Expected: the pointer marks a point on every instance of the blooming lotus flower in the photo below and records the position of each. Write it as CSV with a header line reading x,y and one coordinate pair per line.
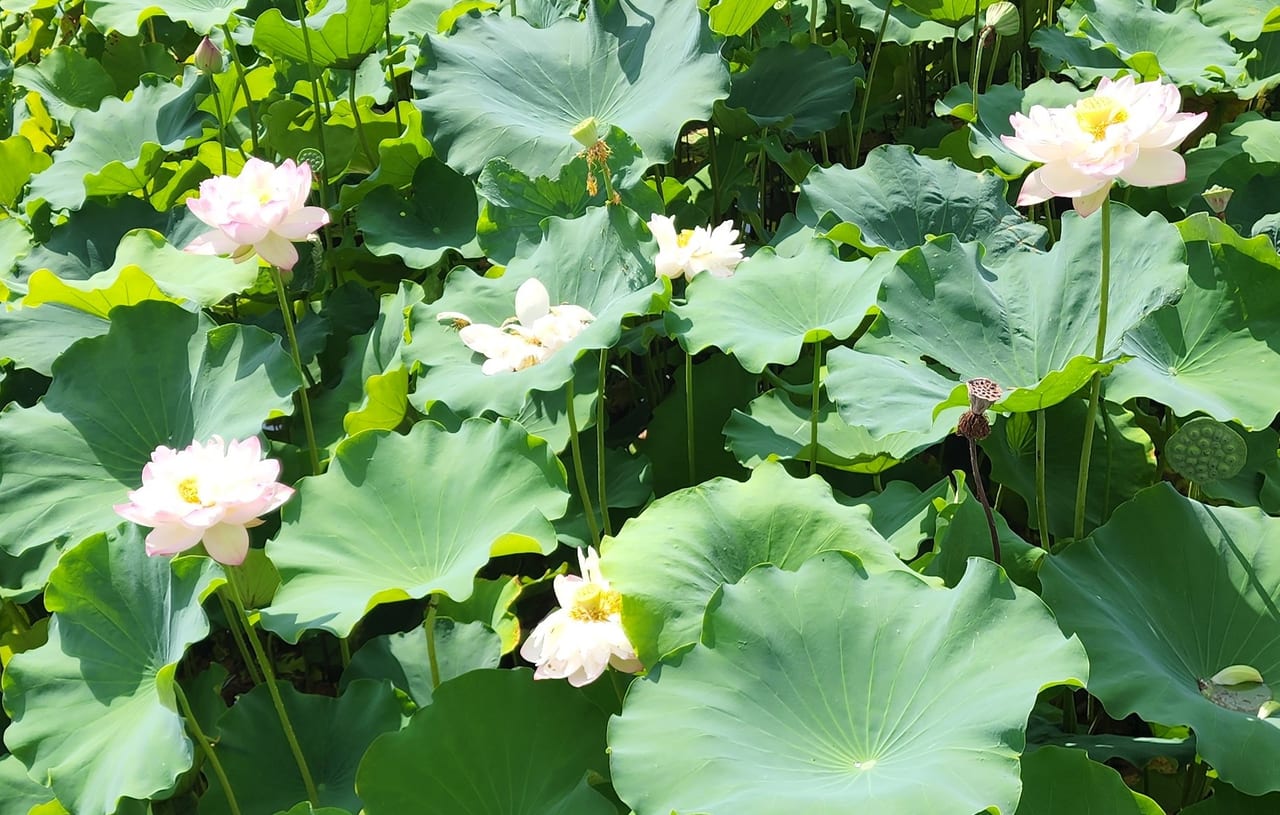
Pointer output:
x,y
208,493
1125,130
261,211
538,330
584,636
692,251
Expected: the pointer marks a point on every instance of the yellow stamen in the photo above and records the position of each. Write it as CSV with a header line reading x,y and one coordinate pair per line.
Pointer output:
x,y
684,237
594,604
188,488
1097,113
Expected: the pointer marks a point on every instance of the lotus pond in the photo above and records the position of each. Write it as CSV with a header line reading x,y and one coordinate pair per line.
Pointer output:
x,y
664,407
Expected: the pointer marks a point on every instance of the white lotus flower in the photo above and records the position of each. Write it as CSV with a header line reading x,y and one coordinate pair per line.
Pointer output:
x,y
208,493
538,330
1124,131
584,636
691,251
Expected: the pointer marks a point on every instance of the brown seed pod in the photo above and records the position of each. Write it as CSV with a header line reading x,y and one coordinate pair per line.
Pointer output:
x,y
973,426
983,393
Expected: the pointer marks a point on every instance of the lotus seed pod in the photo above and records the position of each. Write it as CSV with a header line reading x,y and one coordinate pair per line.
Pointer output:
x,y
983,393
1003,17
586,132
973,426
1206,450
1217,198
208,57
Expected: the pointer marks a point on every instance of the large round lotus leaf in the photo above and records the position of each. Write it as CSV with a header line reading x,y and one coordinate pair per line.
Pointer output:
x,y
1216,350
828,690
492,741
670,559
35,337
897,200
157,377
1029,320
904,27
772,305
440,216
1229,801
402,658
1241,19
1166,595
1122,463
602,261
126,16
123,142
334,734
948,12
1059,781
67,81
499,87
774,424
405,516
340,36
803,92
18,793
100,693
890,392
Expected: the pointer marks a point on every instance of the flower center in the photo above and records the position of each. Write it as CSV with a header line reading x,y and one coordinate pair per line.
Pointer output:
x,y
1097,113
594,604
189,489
682,240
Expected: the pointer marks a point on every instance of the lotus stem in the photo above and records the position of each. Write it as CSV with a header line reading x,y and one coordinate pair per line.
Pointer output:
x,y
866,89
344,651
243,81
1042,493
813,410
222,127
688,415
286,310
601,415
1095,385
977,54
391,78
233,623
714,164
575,445
355,115
206,747
429,626
982,497
315,101
270,674
991,70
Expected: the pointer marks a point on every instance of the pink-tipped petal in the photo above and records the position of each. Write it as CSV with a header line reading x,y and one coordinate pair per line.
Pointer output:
x,y
171,539
1156,168
227,543
277,251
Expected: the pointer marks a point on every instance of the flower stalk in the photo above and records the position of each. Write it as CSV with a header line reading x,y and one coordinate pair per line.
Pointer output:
x,y
243,81
206,747
813,410
1095,385
866,89
267,671
1042,492
688,416
429,626
575,445
601,415
286,310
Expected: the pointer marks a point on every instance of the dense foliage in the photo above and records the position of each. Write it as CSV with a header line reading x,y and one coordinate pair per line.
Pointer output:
x,y
696,355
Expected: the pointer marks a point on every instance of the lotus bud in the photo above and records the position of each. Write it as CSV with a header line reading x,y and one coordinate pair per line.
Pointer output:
x,y
1003,18
586,132
1217,198
208,57
983,393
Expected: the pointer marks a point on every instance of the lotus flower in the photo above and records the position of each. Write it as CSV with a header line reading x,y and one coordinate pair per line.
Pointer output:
x,y
1125,130
584,636
692,251
261,211
208,493
538,330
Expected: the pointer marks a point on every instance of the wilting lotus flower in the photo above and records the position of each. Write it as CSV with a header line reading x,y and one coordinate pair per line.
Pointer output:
x,y
691,251
584,636
208,493
261,211
538,330
1125,130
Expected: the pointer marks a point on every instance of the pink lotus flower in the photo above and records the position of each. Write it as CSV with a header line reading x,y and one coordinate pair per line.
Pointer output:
x,y
584,636
208,493
261,211
1125,130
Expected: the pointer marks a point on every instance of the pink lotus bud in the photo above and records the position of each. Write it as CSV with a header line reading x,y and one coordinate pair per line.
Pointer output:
x,y
208,57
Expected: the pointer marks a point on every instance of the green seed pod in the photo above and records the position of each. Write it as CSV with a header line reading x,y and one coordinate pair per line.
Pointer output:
x,y
1206,450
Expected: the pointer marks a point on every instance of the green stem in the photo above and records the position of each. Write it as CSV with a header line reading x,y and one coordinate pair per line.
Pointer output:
x,y
233,623
269,673
429,626
991,66
344,650
688,415
513,8
601,414
206,747
715,168
355,114
286,309
575,445
1042,493
222,123
866,89
1095,386
955,55
813,411
981,490
876,483
243,81
315,101
813,21
977,54
391,79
